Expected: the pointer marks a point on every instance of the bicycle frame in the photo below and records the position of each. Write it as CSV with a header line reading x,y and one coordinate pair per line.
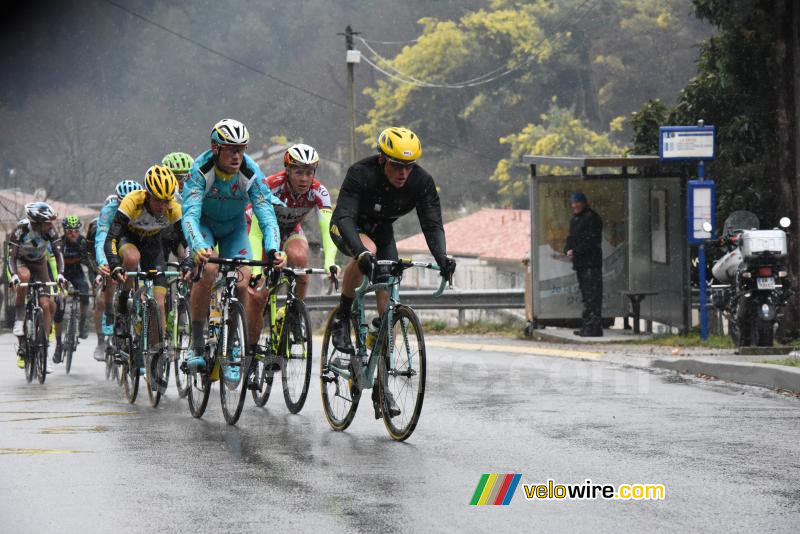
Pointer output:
x,y
392,286
142,296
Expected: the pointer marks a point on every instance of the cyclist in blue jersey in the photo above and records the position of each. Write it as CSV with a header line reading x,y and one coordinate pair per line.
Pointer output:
x,y
222,181
103,225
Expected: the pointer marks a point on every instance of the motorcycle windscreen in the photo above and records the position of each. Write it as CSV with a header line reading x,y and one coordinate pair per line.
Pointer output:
x,y
740,220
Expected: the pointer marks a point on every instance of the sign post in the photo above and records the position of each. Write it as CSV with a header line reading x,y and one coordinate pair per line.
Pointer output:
x,y
695,143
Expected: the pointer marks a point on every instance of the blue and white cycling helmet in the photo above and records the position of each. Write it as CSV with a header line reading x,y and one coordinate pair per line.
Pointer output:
x,y
127,186
39,212
230,132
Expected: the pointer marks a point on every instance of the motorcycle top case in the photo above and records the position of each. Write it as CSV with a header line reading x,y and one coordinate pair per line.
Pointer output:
x,y
756,243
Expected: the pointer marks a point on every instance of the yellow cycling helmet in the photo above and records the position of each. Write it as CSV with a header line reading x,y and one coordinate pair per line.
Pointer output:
x,y
400,144
160,182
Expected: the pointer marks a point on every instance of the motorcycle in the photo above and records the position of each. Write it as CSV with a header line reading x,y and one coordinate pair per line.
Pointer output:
x,y
752,284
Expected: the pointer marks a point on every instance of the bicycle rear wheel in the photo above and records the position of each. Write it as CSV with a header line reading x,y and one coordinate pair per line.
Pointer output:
x,y
339,405
199,387
157,358
41,347
72,337
295,347
234,364
181,338
402,373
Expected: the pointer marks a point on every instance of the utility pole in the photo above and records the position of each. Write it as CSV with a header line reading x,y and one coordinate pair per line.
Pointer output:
x,y
353,58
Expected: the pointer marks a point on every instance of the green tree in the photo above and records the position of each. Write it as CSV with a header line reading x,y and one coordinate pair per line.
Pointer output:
x,y
559,133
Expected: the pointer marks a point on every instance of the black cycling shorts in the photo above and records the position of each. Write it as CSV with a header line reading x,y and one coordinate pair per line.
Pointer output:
x,y
151,255
382,234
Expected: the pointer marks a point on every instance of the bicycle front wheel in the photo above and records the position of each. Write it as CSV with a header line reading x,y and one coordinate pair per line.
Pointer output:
x,y
72,337
401,373
181,339
28,348
41,348
339,405
234,364
157,359
295,347
129,369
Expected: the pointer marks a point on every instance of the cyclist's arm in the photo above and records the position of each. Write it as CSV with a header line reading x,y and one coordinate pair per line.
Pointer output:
x,y
192,208
256,240
265,214
13,253
328,247
429,211
103,224
345,216
55,243
323,201
119,227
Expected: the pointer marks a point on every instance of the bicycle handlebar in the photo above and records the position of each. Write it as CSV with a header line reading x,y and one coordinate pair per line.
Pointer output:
x,y
403,265
37,284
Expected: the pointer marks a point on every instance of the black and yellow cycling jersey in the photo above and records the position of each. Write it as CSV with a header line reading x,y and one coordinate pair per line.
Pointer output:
x,y
136,224
141,222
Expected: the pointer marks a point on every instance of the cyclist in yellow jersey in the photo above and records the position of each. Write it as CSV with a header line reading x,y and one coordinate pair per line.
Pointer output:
x,y
135,237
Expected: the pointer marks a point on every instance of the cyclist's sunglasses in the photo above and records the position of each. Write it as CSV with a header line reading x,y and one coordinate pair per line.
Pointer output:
x,y
401,164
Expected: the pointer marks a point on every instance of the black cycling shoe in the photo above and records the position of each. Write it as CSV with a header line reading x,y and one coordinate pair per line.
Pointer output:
x,y
120,328
57,353
340,335
394,409
83,331
253,384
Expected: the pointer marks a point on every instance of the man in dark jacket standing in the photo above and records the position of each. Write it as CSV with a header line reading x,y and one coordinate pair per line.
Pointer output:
x,y
583,246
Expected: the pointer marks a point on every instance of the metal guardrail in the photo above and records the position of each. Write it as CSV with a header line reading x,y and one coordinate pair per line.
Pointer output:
x,y
486,299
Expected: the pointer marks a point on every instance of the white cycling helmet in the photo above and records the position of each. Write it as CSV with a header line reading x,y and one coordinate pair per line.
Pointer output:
x,y
230,132
39,212
300,154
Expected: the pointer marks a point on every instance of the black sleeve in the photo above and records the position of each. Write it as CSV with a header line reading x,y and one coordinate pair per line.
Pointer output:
x,y
176,239
345,216
86,258
13,252
55,242
429,211
118,228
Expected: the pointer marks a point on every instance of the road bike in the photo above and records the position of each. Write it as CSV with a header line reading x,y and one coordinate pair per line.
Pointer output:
x,y
71,340
139,341
285,343
227,359
34,339
397,355
179,323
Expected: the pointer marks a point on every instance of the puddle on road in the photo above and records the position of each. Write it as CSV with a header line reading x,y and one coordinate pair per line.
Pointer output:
x,y
73,429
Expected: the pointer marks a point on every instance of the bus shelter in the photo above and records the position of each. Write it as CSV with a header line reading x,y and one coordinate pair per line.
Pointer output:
x,y
645,248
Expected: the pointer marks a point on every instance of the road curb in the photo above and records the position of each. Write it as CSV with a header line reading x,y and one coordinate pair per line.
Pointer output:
x,y
752,374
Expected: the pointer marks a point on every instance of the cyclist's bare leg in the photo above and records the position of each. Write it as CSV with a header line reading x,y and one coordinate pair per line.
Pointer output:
x,y
200,302
296,249
160,294
352,278
257,299
130,261
252,314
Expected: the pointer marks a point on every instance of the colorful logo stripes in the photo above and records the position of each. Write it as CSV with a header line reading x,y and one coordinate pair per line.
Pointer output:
x,y
495,489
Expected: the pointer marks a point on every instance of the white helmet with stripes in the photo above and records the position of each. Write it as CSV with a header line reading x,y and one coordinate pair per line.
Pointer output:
x,y
300,154
230,132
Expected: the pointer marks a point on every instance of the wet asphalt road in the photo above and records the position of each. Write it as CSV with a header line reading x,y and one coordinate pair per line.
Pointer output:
x,y
75,457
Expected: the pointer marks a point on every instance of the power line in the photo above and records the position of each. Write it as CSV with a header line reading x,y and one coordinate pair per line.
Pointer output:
x,y
410,41
275,78
225,56
480,80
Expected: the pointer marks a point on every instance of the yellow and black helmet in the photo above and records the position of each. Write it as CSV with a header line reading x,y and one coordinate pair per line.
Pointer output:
x,y
400,144
160,182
